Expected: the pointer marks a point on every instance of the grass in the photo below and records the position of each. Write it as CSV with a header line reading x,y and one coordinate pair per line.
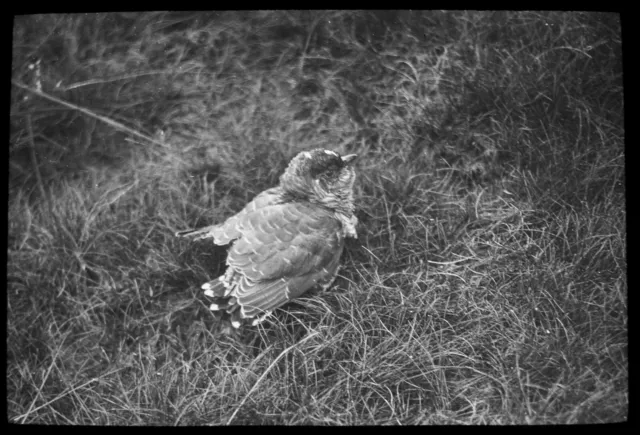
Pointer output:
x,y
488,283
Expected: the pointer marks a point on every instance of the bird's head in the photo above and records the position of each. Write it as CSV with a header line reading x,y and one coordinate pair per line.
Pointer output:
x,y
321,176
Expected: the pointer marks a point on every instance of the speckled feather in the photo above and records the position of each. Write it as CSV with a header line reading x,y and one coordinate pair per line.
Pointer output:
x,y
287,240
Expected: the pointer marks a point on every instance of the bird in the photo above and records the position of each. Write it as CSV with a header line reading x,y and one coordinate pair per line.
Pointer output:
x,y
287,240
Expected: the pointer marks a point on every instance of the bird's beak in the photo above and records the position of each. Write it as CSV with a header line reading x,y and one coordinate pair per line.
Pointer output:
x,y
349,158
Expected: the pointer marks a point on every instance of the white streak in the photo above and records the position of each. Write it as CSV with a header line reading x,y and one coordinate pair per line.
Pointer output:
x,y
260,319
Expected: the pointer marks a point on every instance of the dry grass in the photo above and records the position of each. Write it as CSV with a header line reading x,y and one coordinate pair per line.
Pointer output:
x,y
488,283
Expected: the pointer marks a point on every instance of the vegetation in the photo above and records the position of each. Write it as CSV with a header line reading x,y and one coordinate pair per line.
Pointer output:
x,y
487,285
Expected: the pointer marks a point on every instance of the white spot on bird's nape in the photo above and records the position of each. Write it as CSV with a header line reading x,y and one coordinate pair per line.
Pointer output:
x,y
331,153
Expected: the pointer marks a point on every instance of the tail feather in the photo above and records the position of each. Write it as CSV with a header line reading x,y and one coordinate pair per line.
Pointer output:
x,y
214,289
223,302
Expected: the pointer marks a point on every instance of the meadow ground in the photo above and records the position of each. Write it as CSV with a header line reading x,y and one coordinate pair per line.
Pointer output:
x,y
487,285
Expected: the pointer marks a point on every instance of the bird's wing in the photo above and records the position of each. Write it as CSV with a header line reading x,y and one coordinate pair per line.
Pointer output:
x,y
227,231
289,239
257,297
284,250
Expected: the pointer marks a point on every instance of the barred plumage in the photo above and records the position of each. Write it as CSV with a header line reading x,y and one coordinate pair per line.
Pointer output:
x,y
287,240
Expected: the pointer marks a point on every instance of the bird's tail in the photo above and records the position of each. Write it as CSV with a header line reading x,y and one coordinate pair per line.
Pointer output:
x,y
201,233
223,302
